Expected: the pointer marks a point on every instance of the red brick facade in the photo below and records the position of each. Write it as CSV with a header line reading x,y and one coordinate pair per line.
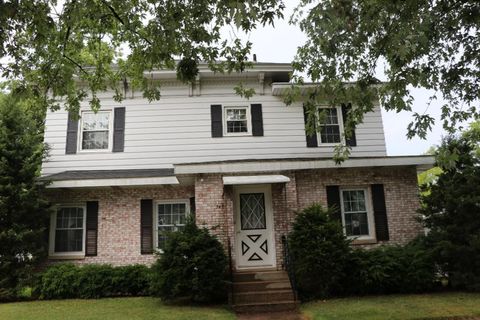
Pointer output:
x,y
119,208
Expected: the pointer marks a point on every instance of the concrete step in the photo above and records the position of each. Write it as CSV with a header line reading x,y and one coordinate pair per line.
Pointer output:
x,y
274,306
263,296
260,285
259,276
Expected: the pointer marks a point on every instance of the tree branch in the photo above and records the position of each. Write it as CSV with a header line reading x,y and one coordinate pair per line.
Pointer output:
x,y
115,14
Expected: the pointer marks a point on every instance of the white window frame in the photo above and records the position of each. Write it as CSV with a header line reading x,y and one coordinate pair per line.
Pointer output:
x,y
249,121
53,229
340,127
155,216
369,206
110,131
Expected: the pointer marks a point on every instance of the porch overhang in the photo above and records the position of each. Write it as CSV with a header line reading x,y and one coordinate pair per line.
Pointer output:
x,y
111,178
259,179
421,163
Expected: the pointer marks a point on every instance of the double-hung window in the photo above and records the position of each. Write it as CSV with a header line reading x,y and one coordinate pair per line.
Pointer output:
x,y
68,230
170,217
357,214
236,120
95,130
330,125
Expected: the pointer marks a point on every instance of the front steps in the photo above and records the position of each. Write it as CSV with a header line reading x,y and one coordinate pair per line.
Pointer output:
x,y
262,291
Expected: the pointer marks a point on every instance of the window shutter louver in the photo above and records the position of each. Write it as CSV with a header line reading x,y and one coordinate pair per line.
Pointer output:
x,y
146,226
217,120
257,120
92,229
311,139
380,212
118,129
72,134
352,140
333,201
192,206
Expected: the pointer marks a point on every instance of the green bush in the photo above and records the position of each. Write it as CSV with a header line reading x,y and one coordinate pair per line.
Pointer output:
x,y
390,269
65,281
325,264
191,267
320,252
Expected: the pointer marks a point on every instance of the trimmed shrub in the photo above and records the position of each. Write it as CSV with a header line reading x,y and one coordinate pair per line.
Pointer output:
x,y
390,269
320,252
192,267
325,265
65,281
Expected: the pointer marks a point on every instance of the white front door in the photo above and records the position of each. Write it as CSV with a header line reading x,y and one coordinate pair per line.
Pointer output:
x,y
254,240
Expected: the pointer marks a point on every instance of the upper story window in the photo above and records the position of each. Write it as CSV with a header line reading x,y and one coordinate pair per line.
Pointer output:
x,y
171,216
95,130
331,127
357,216
236,120
68,230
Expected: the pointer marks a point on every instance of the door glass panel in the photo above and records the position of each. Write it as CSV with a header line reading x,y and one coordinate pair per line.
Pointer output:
x,y
252,211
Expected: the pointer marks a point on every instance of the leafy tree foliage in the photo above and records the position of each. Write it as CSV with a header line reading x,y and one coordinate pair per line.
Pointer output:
x,y
419,43
452,212
44,43
192,266
23,211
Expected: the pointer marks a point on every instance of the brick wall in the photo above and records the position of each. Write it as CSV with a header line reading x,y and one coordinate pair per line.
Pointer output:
x,y
119,219
119,208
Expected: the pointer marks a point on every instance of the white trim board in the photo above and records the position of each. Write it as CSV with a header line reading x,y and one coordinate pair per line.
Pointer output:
x,y
112,182
422,163
260,179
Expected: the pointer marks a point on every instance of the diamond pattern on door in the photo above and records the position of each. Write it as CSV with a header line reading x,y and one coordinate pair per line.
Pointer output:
x,y
252,211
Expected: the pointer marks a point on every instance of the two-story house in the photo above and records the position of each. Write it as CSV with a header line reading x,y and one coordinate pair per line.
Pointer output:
x,y
124,175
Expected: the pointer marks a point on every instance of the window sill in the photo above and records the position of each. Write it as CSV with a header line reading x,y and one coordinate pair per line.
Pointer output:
x,y
357,242
67,257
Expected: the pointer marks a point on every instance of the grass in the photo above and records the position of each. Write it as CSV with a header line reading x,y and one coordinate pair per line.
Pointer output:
x,y
395,307
105,309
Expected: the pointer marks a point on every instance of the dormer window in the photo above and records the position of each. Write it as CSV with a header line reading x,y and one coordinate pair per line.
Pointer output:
x,y
95,131
330,128
236,120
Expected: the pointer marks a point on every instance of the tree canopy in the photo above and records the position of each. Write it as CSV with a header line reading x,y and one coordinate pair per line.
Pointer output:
x,y
43,43
432,44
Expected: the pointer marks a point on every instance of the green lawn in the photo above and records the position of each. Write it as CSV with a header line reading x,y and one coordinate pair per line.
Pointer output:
x,y
105,309
395,307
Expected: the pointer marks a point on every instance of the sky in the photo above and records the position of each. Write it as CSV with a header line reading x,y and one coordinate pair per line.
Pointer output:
x,y
279,44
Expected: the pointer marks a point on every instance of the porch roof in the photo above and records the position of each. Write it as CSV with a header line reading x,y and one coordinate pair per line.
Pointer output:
x,y
422,163
257,179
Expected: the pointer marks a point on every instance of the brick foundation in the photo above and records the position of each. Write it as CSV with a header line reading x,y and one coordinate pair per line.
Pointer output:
x,y
119,208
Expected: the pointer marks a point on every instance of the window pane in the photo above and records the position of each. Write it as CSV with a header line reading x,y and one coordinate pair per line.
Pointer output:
x,y
171,217
69,240
236,114
98,121
252,211
330,134
163,235
95,140
355,212
237,126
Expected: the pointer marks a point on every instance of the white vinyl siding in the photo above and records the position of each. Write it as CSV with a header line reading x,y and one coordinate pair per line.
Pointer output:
x,y
177,129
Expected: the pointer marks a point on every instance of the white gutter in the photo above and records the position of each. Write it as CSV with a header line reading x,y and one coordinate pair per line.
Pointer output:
x,y
121,182
422,163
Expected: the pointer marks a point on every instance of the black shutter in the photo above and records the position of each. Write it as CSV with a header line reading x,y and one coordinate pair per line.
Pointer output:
x,y
146,226
380,212
92,229
118,129
333,201
257,120
311,139
352,140
72,133
217,120
192,206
